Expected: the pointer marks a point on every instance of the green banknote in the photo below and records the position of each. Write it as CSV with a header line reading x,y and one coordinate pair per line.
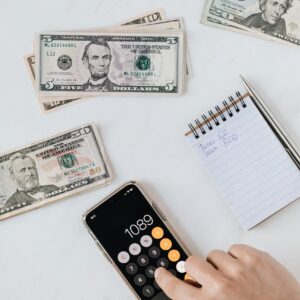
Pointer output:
x,y
84,64
276,20
52,169
48,105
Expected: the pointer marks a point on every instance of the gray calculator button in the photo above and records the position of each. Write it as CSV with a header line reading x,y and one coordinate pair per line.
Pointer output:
x,y
135,249
148,291
180,266
173,272
160,296
162,262
131,268
154,252
123,257
143,260
156,285
139,279
150,271
146,241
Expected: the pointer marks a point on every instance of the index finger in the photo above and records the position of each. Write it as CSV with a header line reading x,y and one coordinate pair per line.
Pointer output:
x,y
175,288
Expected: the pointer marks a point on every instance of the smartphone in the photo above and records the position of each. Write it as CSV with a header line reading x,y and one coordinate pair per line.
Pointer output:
x,y
136,238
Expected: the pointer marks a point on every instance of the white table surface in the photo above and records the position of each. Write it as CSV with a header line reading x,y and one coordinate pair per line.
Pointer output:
x,y
47,253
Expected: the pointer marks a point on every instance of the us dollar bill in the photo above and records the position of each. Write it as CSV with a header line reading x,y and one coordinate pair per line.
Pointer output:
x,y
176,23
84,64
51,169
153,16
53,103
274,20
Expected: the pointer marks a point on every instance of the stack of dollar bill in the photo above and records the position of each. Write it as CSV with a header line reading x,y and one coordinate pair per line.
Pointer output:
x,y
273,20
145,55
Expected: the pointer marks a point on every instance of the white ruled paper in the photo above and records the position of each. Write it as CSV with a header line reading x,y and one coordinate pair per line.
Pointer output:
x,y
249,164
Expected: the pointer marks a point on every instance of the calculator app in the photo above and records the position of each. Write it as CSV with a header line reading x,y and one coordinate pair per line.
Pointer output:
x,y
134,236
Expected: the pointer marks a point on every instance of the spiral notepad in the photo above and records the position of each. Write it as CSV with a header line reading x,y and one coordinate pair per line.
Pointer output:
x,y
246,158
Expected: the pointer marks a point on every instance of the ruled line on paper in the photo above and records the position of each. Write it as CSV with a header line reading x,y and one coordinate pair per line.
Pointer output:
x,y
250,165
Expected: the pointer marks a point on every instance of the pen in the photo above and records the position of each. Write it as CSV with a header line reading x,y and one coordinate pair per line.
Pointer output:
x,y
286,142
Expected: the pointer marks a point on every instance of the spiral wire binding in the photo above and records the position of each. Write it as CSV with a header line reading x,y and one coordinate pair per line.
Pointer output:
x,y
193,130
213,116
218,113
205,119
241,99
228,109
237,109
200,126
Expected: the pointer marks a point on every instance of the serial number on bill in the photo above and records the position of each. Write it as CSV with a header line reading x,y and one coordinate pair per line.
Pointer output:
x,y
139,74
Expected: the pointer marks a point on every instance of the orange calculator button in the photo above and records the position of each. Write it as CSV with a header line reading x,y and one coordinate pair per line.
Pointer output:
x,y
191,280
157,233
165,244
174,255
188,277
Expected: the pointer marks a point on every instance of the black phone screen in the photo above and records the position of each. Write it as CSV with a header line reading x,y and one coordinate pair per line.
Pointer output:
x,y
135,237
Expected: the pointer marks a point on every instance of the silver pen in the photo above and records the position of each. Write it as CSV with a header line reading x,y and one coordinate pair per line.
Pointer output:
x,y
278,130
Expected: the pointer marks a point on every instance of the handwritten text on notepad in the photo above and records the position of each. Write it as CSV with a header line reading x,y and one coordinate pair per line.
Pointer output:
x,y
227,137
249,164
223,138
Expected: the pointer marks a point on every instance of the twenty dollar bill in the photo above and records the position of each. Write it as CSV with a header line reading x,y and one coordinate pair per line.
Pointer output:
x,y
52,169
274,20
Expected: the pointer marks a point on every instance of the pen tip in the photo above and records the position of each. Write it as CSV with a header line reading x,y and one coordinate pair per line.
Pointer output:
x,y
242,78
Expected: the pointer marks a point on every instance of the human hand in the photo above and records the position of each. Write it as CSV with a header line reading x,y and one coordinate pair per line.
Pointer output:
x,y
244,273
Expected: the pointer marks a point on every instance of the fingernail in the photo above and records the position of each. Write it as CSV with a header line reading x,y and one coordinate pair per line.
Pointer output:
x,y
157,272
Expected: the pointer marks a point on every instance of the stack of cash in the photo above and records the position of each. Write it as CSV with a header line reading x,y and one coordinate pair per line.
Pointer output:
x,y
142,56
269,19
